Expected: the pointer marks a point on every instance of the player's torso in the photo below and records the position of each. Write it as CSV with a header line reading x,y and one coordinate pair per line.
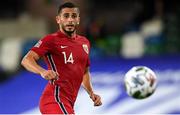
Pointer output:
x,y
69,58
70,55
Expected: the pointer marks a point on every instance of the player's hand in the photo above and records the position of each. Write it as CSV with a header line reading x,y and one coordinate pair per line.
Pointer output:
x,y
96,99
49,75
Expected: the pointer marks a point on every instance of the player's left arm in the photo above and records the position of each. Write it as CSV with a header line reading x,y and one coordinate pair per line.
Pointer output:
x,y
86,83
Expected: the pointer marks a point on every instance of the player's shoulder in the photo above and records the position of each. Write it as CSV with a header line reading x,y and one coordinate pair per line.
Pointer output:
x,y
50,37
83,38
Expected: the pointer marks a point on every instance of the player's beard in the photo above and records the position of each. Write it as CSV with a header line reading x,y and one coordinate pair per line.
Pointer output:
x,y
68,32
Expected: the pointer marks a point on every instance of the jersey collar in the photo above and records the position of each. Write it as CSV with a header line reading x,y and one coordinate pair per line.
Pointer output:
x,y
65,36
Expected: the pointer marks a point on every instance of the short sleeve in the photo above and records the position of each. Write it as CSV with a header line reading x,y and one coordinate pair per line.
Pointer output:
x,y
42,46
88,60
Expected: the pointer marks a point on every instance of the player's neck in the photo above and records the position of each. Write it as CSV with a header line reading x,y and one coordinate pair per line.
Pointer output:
x,y
72,35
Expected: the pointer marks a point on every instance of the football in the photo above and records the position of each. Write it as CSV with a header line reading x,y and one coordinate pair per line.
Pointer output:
x,y
140,82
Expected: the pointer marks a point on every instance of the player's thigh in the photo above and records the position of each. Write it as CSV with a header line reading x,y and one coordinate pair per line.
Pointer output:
x,y
56,108
50,108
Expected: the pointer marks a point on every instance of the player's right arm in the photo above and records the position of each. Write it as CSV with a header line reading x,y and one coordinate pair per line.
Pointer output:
x,y
30,63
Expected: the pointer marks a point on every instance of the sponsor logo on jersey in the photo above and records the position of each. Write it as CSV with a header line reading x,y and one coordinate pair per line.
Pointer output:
x,y
85,47
63,47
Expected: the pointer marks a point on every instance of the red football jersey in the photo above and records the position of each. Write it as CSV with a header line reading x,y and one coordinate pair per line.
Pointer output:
x,y
69,57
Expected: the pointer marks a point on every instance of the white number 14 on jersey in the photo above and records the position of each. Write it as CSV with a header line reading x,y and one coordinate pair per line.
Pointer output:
x,y
68,59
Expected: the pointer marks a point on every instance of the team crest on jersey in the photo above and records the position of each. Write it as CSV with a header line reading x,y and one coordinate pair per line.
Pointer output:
x,y
38,44
85,47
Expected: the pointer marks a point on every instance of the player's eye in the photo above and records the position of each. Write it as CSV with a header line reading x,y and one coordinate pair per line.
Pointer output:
x,y
74,15
66,15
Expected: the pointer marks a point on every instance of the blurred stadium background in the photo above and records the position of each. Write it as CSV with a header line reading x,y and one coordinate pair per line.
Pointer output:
x,y
123,33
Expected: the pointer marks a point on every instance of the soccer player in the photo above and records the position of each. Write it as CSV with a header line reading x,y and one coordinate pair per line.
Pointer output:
x,y
67,56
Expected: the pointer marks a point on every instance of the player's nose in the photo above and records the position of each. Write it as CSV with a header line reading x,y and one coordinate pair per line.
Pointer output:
x,y
70,19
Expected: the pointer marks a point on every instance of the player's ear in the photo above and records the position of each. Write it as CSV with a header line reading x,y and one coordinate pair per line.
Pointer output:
x,y
78,22
58,19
